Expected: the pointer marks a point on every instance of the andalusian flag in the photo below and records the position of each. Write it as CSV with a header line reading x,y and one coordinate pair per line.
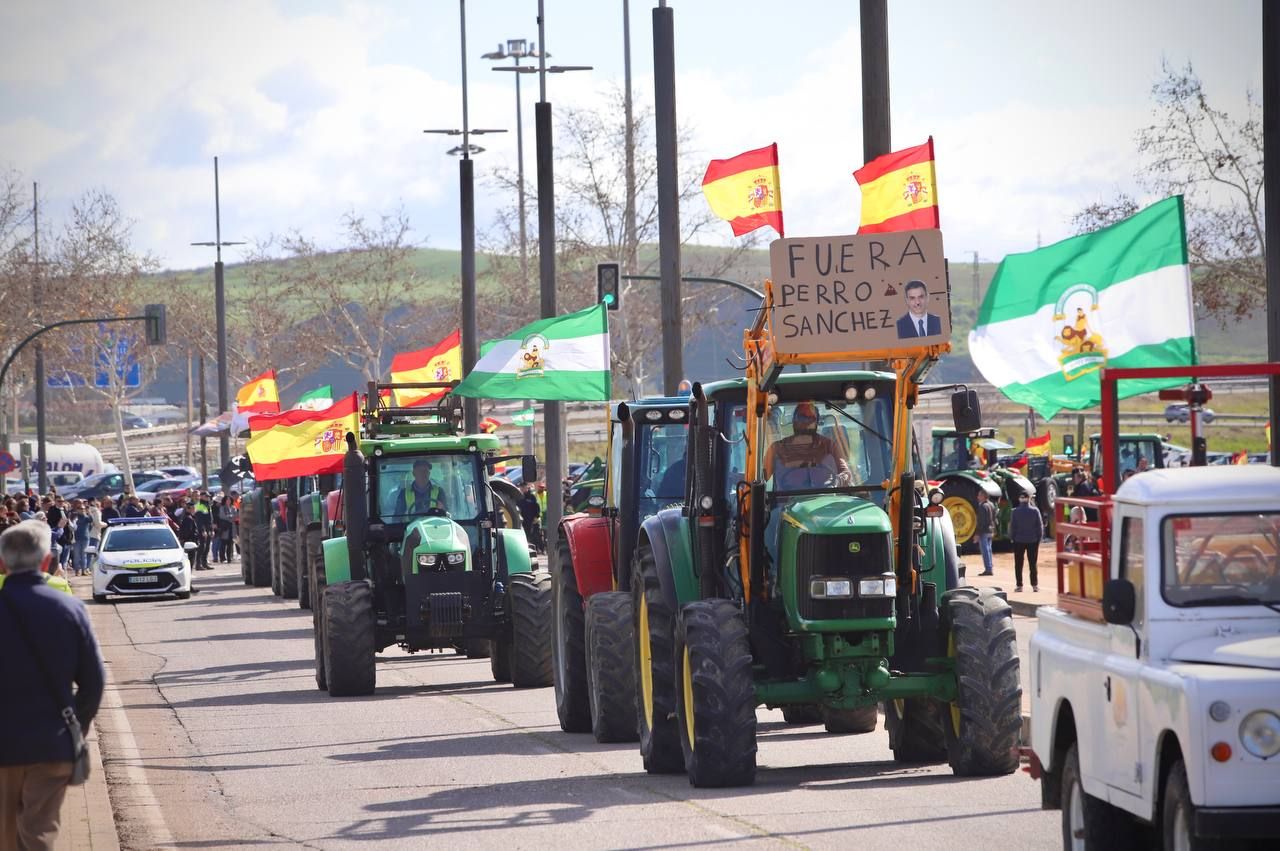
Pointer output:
x,y
745,190
1040,445
1118,297
565,358
302,443
441,362
316,400
899,191
523,419
260,395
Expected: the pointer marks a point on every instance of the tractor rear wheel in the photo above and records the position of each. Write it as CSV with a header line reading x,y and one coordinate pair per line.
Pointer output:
x,y
802,713
864,719
916,731
304,567
260,540
349,638
611,673
288,565
531,630
655,668
246,554
961,502
275,559
716,701
569,655
986,716
1046,497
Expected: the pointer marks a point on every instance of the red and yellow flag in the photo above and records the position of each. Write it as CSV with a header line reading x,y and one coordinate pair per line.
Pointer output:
x,y
441,362
745,190
259,395
1040,445
899,191
302,443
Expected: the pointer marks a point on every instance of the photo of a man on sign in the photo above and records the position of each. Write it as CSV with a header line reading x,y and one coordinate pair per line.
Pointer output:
x,y
918,322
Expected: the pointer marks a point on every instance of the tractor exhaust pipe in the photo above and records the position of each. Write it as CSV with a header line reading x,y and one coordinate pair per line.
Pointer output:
x,y
355,507
906,544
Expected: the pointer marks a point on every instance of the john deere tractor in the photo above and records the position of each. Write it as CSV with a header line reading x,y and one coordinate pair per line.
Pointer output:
x,y
425,561
964,463
594,632
812,567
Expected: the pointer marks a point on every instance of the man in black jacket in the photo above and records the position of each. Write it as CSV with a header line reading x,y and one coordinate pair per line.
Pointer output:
x,y
35,746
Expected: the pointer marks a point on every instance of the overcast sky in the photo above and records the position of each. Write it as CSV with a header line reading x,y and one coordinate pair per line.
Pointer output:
x,y
316,108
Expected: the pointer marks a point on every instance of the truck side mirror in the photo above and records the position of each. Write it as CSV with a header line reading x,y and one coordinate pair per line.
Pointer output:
x,y
1119,600
529,468
965,410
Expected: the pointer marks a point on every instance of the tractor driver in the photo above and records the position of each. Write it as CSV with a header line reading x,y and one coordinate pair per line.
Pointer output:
x,y
805,459
420,494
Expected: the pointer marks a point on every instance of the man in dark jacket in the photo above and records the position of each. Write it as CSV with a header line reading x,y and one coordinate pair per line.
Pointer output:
x,y
35,746
1026,528
530,512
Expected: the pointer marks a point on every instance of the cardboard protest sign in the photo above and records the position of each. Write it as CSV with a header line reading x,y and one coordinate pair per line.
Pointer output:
x,y
875,292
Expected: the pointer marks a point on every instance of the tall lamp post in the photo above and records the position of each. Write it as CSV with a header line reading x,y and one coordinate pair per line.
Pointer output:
x,y
220,315
467,203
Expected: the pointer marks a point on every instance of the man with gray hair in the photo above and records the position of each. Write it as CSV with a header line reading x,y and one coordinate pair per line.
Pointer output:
x,y
46,646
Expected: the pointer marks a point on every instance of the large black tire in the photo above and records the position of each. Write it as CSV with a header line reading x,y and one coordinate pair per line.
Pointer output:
x,y
275,561
1178,815
802,713
349,638
655,668
304,566
1046,498
716,699
246,554
475,648
317,606
289,565
1102,826
500,660
611,673
260,542
986,717
864,719
99,598
569,654
531,630
916,731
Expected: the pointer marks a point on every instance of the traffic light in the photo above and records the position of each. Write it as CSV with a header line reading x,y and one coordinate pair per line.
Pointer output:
x,y
609,284
153,316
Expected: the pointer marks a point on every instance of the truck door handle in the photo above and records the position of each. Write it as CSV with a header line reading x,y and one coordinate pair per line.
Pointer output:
x,y
1108,687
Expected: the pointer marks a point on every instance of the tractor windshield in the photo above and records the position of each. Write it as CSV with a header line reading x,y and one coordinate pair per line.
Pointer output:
x,y
661,466
411,486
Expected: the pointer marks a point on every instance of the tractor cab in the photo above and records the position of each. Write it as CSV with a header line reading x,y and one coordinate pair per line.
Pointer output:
x,y
964,463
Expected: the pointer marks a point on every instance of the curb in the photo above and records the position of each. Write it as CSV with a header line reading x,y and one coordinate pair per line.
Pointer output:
x,y
1024,608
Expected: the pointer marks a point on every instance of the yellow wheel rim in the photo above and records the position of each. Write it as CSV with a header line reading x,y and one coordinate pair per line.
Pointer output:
x,y
963,517
688,696
955,705
646,664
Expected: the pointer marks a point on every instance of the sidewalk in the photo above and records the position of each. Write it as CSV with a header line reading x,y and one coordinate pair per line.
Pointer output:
x,y
1028,601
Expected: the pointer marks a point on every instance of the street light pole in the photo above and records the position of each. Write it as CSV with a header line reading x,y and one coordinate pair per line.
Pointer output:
x,y
664,129
42,458
220,316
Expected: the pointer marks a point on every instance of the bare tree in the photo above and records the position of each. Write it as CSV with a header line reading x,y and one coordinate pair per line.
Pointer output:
x,y
1214,159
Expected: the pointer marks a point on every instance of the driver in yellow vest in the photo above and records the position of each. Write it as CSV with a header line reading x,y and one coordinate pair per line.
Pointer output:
x,y
420,495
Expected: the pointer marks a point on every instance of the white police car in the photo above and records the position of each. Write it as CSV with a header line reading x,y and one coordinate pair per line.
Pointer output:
x,y
140,556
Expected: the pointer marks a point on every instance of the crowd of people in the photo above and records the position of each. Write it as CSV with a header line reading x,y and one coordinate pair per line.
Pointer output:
x,y
76,525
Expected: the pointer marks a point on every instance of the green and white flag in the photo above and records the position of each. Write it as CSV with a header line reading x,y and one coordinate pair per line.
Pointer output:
x,y
316,400
522,418
1118,297
564,359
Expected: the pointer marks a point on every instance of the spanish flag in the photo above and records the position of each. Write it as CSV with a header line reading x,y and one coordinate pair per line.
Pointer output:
x,y
899,191
745,190
441,362
1040,445
300,442
260,395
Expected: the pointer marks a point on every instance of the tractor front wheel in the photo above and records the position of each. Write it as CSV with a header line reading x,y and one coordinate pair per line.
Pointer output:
x,y
569,655
986,716
802,713
260,538
864,719
715,703
317,607
655,668
962,504
611,674
531,630
274,538
916,731
500,659
288,549
304,566
349,638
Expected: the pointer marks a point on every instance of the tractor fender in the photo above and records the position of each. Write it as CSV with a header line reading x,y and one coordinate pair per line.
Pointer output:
x,y
670,539
992,489
504,486
337,564
590,543
513,550
942,559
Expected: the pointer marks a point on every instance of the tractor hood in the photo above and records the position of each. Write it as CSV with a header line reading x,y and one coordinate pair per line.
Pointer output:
x,y
1013,482
435,543
833,513
1256,651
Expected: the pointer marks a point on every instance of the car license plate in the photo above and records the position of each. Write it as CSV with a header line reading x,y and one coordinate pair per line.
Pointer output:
x,y
144,579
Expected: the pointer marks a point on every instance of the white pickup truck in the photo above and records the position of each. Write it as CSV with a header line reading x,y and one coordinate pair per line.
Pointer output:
x,y
1155,679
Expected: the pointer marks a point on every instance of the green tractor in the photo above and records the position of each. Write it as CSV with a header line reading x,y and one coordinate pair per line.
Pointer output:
x,y
811,567
961,472
1137,452
255,536
425,560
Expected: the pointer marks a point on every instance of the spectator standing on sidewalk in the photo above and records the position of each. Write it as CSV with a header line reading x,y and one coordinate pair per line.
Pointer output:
x,y
83,529
109,511
204,523
984,530
36,752
1026,528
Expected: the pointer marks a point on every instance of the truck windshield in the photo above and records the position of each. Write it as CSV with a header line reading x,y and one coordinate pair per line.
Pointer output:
x,y
1221,559
412,486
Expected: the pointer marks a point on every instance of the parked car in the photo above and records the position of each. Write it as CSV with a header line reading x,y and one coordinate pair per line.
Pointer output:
x,y
1178,412
181,472
135,421
155,487
109,484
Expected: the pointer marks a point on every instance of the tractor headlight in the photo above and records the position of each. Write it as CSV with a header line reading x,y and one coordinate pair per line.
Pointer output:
x,y
828,588
427,560
880,586
1260,733
936,496
456,558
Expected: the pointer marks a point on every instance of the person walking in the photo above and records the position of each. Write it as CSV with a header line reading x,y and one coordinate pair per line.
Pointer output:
x,y
984,531
49,647
1026,528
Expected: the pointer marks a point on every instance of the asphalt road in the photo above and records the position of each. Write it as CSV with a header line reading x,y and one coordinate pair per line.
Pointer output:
x,y
215,735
